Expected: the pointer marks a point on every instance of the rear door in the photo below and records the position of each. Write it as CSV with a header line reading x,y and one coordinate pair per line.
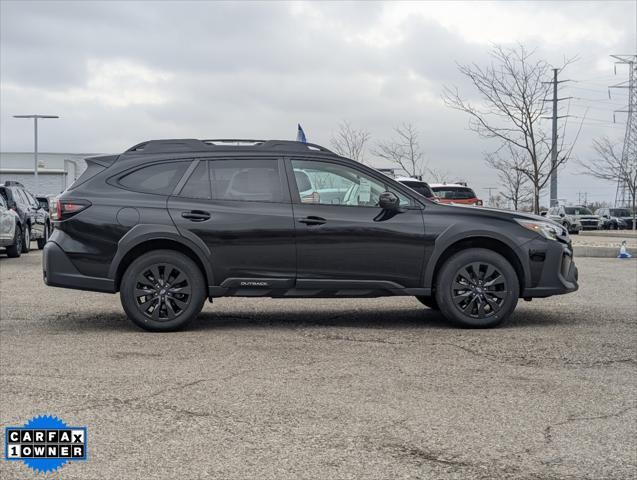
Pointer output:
x,y
7,223
241,210
344,239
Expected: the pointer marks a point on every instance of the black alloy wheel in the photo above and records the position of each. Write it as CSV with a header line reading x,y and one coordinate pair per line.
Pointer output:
x,y
162,290
477,288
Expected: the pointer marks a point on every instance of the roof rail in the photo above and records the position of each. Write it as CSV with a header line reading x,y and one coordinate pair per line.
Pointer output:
x,y
194,145
13,183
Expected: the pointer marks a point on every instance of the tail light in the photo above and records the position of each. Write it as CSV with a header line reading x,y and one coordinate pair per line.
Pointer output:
x,y
66,208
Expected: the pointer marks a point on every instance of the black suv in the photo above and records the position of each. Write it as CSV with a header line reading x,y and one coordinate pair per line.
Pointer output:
x,y
171,222
33,219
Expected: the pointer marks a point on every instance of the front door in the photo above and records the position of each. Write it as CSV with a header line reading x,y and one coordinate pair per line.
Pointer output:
x,y
241,209
344,238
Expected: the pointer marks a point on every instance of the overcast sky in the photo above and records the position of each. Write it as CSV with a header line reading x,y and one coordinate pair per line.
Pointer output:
x,y
122,72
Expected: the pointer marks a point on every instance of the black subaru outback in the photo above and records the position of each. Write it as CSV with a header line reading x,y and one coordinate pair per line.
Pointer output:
x,y
169,223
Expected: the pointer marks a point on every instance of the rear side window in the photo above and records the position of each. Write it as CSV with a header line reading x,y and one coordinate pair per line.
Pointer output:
x,y
247,180
420,187
158,178
198,185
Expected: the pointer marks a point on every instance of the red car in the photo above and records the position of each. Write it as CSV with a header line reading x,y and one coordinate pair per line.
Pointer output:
x,y
455,193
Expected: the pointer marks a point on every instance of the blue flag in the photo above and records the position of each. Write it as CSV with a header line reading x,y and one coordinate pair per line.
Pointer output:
x,y
300,135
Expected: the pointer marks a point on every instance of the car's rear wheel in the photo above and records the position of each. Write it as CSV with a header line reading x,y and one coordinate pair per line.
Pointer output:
x,y
429,302
15,250
162,290
477,288
42,241
26,239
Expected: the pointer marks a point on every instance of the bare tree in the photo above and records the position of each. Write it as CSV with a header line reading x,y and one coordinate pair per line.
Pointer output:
x,y
608,164
438,176
350,142
403,150
513,92
515,183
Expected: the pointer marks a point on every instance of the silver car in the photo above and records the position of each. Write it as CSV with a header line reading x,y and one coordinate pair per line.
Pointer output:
x,y
565,217
10,235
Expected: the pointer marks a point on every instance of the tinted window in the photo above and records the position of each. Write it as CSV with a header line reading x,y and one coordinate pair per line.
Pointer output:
x,y
334,184
247,180
160,178
578,211
620,212
198,185
420,187
2,202
454,193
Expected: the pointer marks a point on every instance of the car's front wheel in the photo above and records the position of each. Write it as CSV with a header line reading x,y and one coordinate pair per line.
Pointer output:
x,y
15,250
162,290
42,241
477,288
26,239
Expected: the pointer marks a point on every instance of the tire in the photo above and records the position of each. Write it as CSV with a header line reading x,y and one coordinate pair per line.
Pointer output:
x,y
490,296
429,302
42,241
163,308
15,250
26,239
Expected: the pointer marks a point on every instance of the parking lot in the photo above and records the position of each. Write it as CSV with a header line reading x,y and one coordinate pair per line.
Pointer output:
x,y
380,388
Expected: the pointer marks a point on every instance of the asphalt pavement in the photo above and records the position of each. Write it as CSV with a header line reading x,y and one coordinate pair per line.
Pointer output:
x,y
329,389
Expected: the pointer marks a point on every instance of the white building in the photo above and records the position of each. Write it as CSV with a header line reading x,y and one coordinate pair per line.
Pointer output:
x,y
56,171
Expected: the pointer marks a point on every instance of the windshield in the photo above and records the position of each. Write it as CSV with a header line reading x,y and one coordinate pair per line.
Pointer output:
x,y
620,212
578,211
454,193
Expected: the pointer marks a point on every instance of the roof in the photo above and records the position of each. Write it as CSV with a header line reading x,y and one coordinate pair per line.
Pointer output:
x,y
408,179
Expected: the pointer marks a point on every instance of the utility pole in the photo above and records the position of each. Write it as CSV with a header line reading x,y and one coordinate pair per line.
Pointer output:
x,y
554,118
629,150
490,196
35,145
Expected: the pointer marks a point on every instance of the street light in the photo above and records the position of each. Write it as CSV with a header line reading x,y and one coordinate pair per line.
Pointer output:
x,y
35,140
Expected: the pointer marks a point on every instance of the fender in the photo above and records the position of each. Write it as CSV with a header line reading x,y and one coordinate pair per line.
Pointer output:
x,y
145,232
457,233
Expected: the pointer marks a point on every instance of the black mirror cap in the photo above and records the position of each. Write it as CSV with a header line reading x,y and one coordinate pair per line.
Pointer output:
x,y
389,201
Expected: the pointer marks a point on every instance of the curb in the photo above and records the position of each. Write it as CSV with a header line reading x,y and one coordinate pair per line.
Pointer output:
x,y
580,251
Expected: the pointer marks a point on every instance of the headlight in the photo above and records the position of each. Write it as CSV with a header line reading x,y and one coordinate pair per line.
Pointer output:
x,y
546,229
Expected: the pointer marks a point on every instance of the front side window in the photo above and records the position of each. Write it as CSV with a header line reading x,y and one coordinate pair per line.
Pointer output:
x,y
158,178
327,183
246,180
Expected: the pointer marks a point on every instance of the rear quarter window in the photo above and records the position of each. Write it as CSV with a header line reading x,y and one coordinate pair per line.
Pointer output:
x,y
158,178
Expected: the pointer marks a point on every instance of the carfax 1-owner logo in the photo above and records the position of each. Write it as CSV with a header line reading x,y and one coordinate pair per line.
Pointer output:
x,y
45,443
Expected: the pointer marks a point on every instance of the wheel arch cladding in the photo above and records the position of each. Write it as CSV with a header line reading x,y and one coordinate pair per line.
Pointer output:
x,y
487,243
158,244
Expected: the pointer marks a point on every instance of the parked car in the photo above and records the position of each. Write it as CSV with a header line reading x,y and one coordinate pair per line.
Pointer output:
x,y
10,234
47,202
33,218
615,218
419,186
588,219
455,193
567,220
171,222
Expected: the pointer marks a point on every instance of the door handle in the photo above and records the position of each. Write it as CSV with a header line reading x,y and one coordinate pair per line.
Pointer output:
x,y
196,216
312,220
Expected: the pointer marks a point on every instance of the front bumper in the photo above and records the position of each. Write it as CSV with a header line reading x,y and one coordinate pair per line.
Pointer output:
x,y
59,271
558,274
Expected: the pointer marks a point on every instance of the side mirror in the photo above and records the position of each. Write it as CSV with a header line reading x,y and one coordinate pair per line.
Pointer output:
x,y
543,214
562,214
389,201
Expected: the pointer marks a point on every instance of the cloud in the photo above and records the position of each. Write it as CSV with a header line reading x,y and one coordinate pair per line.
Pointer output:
x,y
121,72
